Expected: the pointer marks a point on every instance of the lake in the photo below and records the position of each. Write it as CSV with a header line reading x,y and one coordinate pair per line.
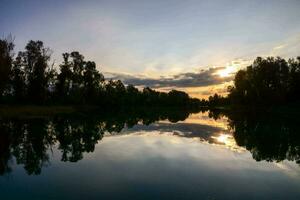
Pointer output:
x,y
170,155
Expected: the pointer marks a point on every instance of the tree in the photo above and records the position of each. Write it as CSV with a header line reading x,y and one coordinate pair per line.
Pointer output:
x,y
78,67
29,78
18,79
294,79
217,100
91,80
36,66
6,60
64,78
178,97
267,81
132,95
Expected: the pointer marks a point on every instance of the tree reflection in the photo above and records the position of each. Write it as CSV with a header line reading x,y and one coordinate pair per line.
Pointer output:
x,y
5,150
267,136
77,136
29,142
31,145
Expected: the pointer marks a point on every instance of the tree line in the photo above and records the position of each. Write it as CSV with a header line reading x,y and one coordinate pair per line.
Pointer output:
x,y
29,78
268,81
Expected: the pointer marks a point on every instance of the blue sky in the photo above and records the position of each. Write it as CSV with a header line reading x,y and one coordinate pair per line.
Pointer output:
x,y
157,38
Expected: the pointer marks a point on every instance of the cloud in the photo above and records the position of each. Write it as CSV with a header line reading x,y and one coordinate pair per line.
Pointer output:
x,y
191,79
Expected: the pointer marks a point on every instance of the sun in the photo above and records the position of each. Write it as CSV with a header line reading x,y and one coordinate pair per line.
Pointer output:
x,y
227,72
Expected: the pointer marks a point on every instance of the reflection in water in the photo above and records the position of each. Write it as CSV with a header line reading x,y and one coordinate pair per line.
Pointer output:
x,y
206,118
29,142
145,155
270,138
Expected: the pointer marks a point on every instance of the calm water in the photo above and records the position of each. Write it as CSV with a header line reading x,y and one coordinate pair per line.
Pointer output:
x,y
186,156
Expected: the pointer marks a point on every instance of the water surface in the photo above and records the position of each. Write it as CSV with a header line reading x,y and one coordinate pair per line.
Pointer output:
x,y
199,156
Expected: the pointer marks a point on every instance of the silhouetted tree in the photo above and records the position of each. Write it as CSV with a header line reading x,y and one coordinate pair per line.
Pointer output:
x,y
132,95
92,80
294,79
215,101
77,64
178,97
36,59
18,83
29,78
6,60
64,79
268,81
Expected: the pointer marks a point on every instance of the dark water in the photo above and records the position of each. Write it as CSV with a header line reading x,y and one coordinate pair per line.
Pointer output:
x,y
173,155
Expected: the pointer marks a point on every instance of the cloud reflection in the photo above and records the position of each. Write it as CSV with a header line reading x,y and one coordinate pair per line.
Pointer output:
x,y
198,127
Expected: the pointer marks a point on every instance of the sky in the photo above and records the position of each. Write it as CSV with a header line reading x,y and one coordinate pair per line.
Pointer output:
x,y
191,45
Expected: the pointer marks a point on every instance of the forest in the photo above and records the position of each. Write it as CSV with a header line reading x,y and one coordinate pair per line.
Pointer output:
x,y
29,78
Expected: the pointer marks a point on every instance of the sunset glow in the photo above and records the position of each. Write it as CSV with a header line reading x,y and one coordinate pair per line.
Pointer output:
x,y
155,39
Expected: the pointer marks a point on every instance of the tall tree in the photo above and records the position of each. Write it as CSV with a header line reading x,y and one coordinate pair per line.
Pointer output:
x,y
6,59
78,67
64,78
36,67
294,79
77,64
91,79
18,79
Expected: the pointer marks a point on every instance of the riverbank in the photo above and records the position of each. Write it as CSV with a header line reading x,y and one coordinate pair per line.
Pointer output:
x,y
37,110
28,111
32,111
41,111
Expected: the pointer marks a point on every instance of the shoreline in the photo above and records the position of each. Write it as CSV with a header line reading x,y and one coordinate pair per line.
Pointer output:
x,y
29,111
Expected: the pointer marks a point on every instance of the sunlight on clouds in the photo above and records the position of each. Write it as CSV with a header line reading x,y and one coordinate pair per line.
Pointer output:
x,y
200,83
228,71
230,68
